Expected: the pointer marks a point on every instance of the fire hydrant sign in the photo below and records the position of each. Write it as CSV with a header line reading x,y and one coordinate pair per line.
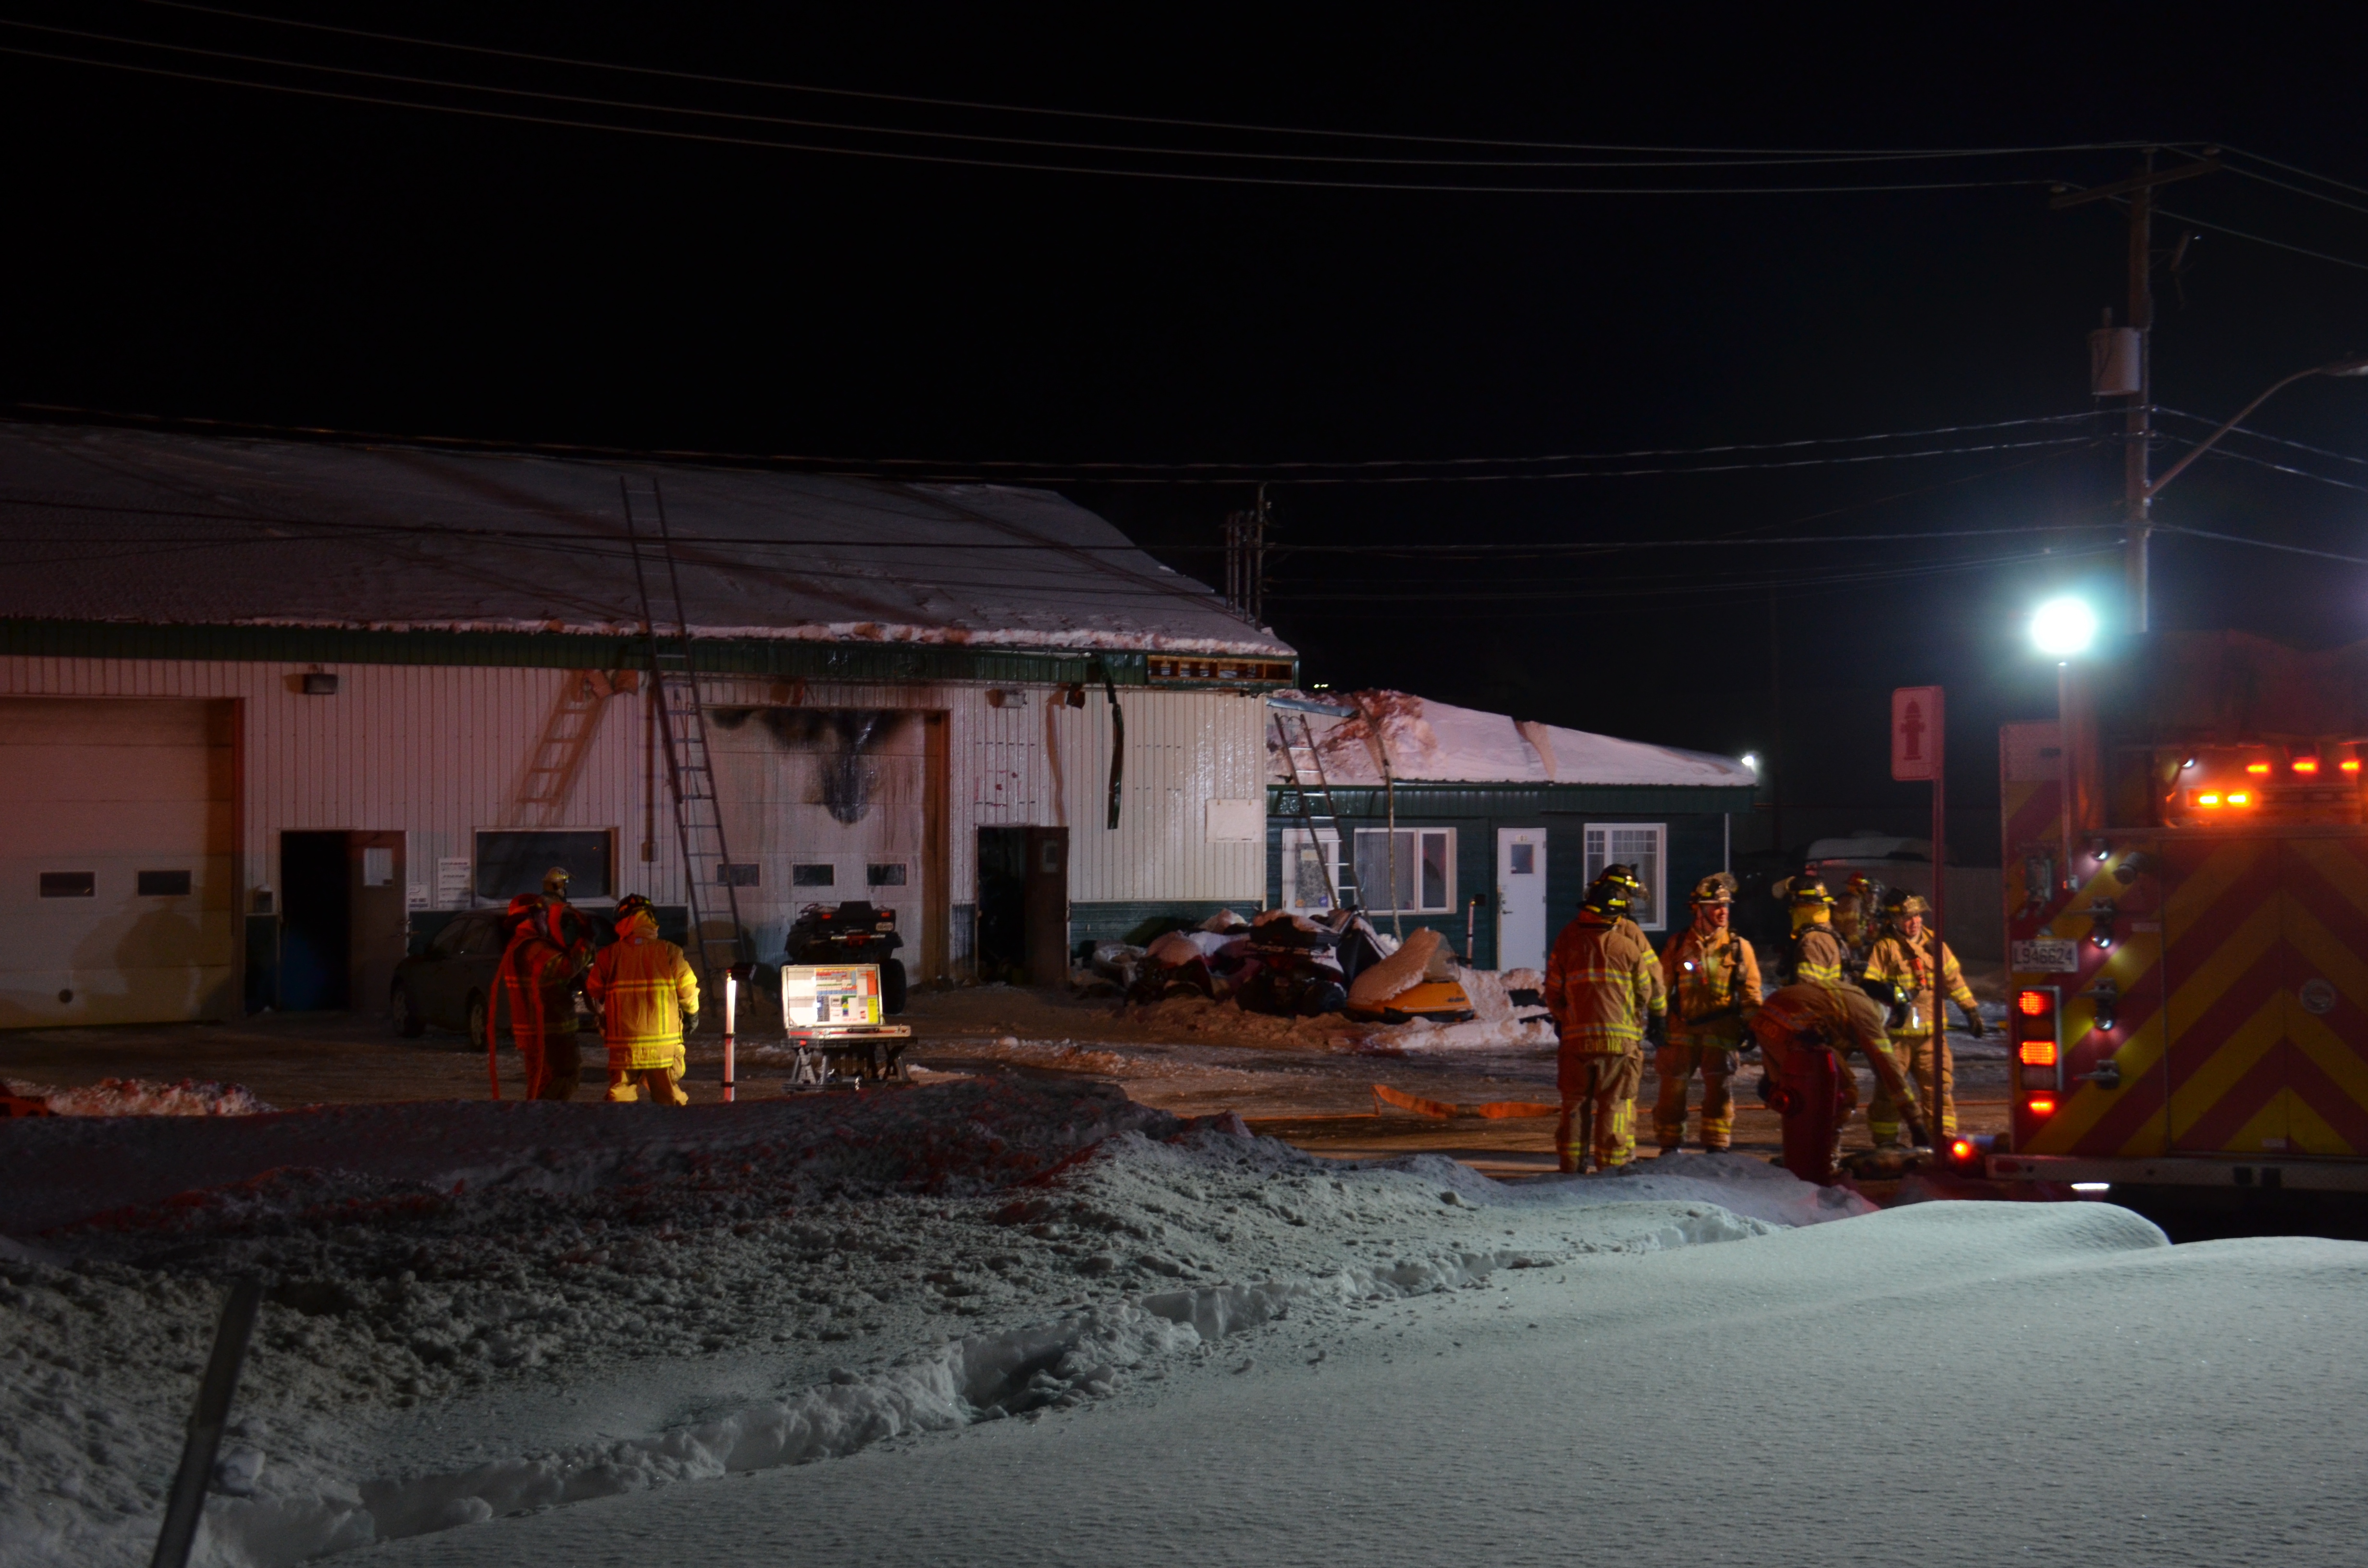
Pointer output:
x,y
1915,732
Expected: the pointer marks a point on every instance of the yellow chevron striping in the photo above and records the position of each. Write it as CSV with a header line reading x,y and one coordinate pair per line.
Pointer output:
x,y
2337,866
2329,1052
2238,1054
2233,960
2325,953
2266,1130
2201,888
2306,1126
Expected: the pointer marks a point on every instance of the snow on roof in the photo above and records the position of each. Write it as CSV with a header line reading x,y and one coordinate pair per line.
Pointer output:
x,y
1437,742
105,523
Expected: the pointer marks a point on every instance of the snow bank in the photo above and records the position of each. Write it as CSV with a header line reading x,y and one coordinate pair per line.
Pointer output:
x,y
453,1289
137,1097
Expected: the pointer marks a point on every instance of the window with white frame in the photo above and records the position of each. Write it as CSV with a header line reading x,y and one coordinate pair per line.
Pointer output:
x,y
1311,870
1638,844
1414,876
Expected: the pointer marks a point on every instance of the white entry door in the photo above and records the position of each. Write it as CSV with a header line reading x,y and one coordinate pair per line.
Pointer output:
x,y
1520,898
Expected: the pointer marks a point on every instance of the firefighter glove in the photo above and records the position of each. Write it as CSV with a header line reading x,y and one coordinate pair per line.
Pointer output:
x,y
1656,1029
1973,1024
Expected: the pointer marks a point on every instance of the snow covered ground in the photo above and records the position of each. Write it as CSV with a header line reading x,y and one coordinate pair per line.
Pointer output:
x,y
1034,1318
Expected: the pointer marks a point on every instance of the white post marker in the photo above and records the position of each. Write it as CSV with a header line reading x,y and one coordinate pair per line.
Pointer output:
x,y
731,1004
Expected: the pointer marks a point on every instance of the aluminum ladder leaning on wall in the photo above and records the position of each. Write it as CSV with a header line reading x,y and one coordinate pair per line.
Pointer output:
x,y
682,731
1342,889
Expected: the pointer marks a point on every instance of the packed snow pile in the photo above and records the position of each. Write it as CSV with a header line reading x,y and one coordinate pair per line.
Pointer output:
x,y
137,1097
474,1310
1397,735
1988,1382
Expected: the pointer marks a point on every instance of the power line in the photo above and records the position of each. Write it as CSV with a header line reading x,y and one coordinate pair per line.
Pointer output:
x,y
1805,154
1184,175
2261,436
2264,462
740,117
2264,544
2295,169
1096,471
2258,239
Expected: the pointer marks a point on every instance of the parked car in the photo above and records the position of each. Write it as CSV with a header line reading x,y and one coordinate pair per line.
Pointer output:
x,y
450,985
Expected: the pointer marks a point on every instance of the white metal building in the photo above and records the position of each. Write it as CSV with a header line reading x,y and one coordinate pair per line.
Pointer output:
x,y
268,707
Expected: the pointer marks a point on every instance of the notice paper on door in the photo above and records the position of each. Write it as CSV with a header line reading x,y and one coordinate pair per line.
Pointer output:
x,y
814,995
452,882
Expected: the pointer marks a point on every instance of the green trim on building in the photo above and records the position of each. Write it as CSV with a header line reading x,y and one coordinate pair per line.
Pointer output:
x,y
781,657
1371,804
1123,921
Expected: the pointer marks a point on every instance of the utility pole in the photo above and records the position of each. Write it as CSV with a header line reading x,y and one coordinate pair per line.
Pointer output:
x,y
1246,562
2137,507
2138,385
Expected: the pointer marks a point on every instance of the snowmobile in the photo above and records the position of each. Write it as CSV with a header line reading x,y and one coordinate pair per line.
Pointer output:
x,y
851,933
1296,974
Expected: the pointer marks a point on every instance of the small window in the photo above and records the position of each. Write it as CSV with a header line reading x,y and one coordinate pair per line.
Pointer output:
x,y
1311,870
737,873
69,884
512,863
1411,871
1522,859
164,884
891,875
1638,844
813,876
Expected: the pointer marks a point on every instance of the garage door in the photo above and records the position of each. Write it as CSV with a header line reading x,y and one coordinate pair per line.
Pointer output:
x,y
116,896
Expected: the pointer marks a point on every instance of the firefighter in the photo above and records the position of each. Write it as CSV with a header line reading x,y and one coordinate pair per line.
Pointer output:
x,y
1713,979
1900,971
537,978
1858,920
1803,1032
648,999
1603,987
1817,956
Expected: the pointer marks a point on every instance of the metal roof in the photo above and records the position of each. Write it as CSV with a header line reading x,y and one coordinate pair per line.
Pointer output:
x,y
103,524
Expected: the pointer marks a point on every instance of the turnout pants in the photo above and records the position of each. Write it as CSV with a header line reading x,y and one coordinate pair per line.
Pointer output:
x,y
630,1070
1601,1087
1676,1063
1915,1053
554,1066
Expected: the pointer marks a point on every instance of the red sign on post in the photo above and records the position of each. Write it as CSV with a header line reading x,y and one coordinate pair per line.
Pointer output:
x,y
1916,725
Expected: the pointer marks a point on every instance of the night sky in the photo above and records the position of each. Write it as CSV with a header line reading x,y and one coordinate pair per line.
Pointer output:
x,y
187,249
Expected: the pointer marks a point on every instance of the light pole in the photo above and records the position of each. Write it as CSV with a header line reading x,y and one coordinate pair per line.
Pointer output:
x,y
2144,491
2063,629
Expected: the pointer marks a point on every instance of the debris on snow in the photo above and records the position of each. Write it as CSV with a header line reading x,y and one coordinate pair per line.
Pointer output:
x,y
137,1097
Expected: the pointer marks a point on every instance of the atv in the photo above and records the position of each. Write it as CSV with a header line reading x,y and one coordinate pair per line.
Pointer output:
x,y
853,932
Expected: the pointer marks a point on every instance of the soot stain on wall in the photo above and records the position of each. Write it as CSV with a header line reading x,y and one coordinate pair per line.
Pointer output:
x,y
840,740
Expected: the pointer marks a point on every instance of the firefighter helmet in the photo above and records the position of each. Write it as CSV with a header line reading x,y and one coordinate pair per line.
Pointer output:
x,y
554,882
1804,890
1716,888
629,905
1610,893
1902,904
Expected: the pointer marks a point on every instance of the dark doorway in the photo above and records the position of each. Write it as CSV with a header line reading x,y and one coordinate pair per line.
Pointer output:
x,y
316,876
1023,906
1002,904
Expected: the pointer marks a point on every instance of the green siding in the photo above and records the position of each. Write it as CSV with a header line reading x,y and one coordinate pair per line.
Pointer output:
x,y
1695,818
1122,921
923,662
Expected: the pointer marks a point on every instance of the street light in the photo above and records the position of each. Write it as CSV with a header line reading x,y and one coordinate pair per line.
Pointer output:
x,y
2064,627
2142,492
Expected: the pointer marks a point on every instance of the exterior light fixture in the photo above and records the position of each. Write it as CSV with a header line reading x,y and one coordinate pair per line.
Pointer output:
x,y
1750,759
2063,628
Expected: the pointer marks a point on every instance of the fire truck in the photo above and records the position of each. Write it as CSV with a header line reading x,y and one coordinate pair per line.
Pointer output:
x,y
2186,876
